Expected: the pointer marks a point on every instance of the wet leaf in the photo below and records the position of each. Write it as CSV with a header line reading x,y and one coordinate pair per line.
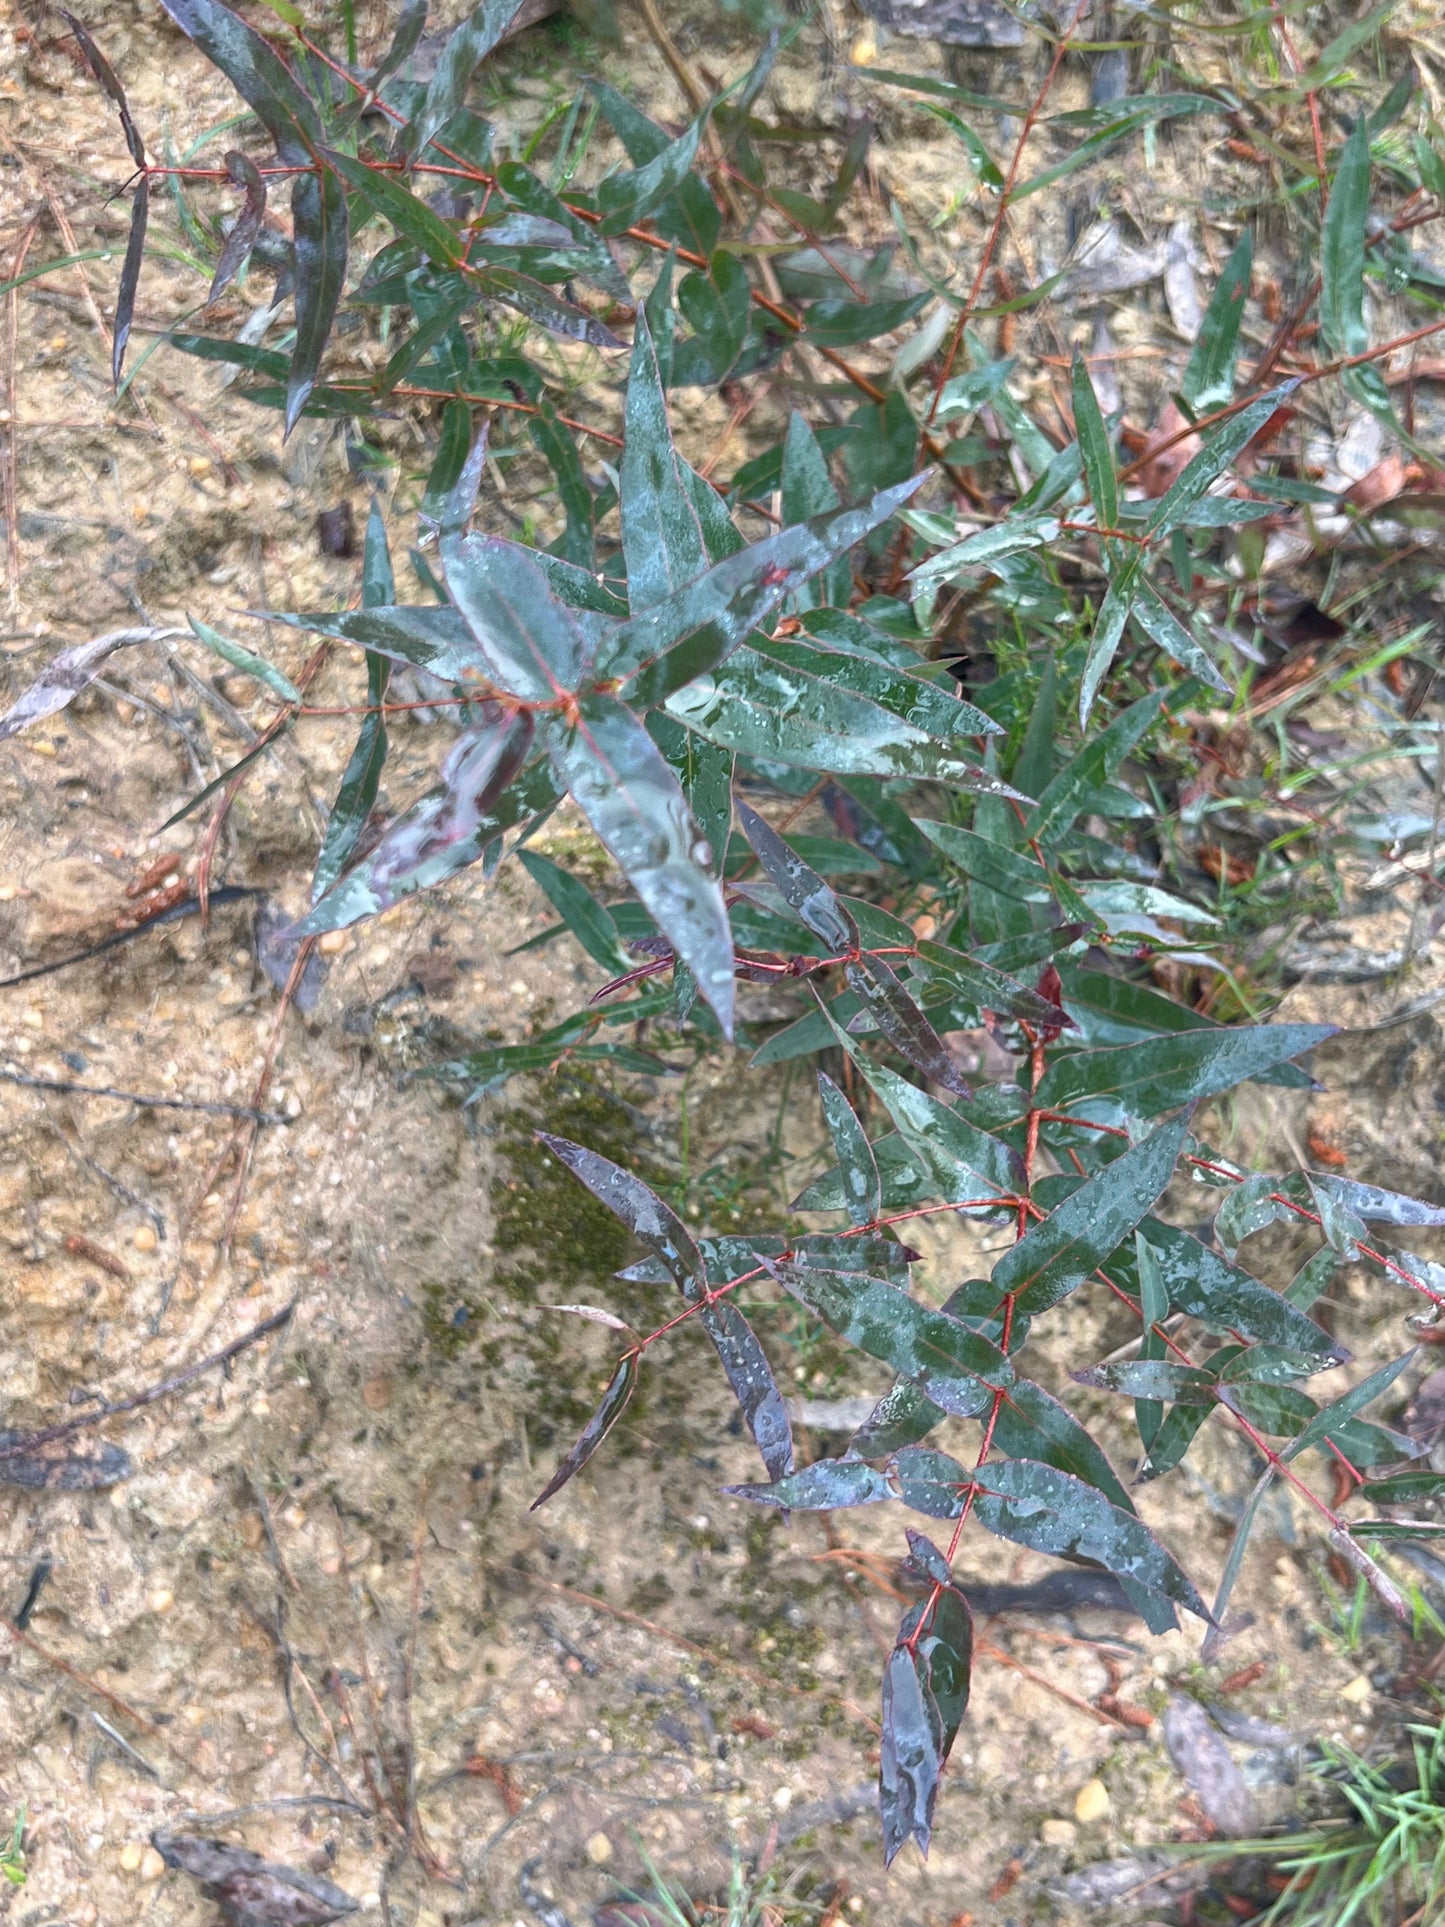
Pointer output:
x,y
900,1020
614,1402
926,1559
1151,1378
628,794
625,199
961,1160
588,920
1051,1511
258,74
990,989
239,242
533,645
321,239
1165,1072
925,1695
690,215
413,220
1342,248
956,1367
753,1384
995,865
698,625
637,1206
437,640
805,892
1098,456
469,44
443,832
410,25
1056,1256
861,1188
827,1485
1095,763
1160,624
1208,380
130,275
918,702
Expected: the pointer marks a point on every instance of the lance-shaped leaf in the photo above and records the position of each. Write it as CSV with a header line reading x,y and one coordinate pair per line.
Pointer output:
x,y
410,25
624,199
257,73
805,892
614,1402
674,524
1159,1379
1160,624
699,625
995,865
1208,380
1094,765
1057,1255
690,216
1051,1511
589,921
64,676
828,1485
244,173
761,709
130,275
637,1206
629,795
925,1695
1167,1071
862,1190
1342,248
991,989
320,241
242,659
898,1017
534,646
956,1367
1380,1207
1200,1283
470,42
535,300
663,1232
1098,456
961,1160
435,639
907,695
413,220
807,490
443,831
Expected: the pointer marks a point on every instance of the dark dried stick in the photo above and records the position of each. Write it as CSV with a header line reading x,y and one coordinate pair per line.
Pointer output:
x,y
248,1112
29,1441
188,907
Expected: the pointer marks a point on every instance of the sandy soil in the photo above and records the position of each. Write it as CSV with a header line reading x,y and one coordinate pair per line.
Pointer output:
x,y
318,1614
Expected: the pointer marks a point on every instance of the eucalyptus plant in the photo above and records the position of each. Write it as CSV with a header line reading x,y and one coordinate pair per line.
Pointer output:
x,y
685,684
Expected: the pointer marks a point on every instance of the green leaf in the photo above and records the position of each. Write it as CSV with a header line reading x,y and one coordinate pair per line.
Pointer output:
x,y
843,324
993,864
696,627
1342,249
1151,1379
717,305
572,491
1067,795
1216,452
242,659
257,73
825,1486
1208,380
467,46
590,923
628,794
754,706
356,797
1165,1072
1050,1511
961,1160
1405,1488
445,830
953,1365
410,216
319,228
925,1694
919,702
861,1187
1078,1235
690,217
1109,620
614,1403
987,988
1098,456
1205,1286
808,490
898,1017
674,525
437,640
627,198
535,648
1161,625
1327,1422
1327,63
804,891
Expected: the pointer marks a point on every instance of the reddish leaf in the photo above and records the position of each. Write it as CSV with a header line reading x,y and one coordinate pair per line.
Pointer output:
x,y
614,1402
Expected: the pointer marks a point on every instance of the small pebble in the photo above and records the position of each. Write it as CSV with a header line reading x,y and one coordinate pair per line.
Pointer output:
x,y
598,1849
332,942
294,1517
161,1600
199,464
1091,1802
131,1855
1357,1691
783,1798
144,1237
376,1393
151,1865
1058,1833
